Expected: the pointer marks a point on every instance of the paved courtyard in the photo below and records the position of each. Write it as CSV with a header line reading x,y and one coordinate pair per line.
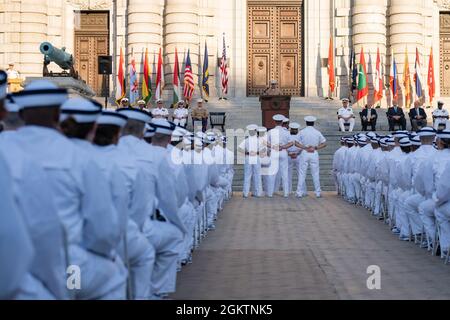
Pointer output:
x,y
307,249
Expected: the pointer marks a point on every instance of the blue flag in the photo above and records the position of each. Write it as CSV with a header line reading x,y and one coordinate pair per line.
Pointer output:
x,y
205,85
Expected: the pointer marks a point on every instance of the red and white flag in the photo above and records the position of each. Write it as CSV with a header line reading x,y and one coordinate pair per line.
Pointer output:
x,y
159,77
188,79
378,83
223,69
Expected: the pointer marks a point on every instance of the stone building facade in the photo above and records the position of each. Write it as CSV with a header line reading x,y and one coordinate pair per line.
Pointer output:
x,y
286,39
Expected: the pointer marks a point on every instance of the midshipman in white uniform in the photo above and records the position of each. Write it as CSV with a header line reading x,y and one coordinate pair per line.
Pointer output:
x,y
311,140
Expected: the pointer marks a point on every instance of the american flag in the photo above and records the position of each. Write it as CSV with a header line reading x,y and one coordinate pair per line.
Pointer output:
x,y
223,69
188,79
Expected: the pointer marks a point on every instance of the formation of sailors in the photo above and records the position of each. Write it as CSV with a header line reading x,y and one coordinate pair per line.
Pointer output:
x,y
270,157
96,204
403,179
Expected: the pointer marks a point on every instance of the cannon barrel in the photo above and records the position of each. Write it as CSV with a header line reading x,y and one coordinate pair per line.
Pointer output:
x,y
59,56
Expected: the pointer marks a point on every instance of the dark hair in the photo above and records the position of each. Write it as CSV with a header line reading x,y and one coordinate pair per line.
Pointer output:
x,y
73,129
445,142
105,134
310,124
406,149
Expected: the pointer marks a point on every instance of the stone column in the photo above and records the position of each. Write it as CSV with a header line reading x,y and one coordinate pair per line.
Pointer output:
x,y
144,31
30,31
369,32
406,32
181,30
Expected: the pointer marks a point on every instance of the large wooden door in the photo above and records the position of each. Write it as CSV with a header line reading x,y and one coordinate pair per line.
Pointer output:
x,y
275,46
91,40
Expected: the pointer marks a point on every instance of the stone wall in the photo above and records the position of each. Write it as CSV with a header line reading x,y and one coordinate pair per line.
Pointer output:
x,y
384,24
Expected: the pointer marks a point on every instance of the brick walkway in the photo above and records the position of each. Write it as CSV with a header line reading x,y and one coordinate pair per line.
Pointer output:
x,y
307,249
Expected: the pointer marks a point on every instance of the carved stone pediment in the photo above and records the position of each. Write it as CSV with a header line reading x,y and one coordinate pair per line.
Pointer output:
x,y
91,4
443,4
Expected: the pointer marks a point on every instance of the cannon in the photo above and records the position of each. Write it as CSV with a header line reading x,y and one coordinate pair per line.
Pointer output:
x,y
59,56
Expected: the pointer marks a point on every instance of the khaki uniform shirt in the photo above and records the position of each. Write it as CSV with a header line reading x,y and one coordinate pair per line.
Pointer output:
x,y
198,113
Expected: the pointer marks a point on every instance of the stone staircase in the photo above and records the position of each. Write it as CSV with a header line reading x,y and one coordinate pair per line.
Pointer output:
x,y
241,113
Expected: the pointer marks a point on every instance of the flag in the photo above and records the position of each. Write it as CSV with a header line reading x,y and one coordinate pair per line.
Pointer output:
x,y
363,87
393,78
159,77
418,77
134,85
223,69
176,81
121,78
205,76
146,80
407,81
378,83
430,81
353,71
188,79
330,67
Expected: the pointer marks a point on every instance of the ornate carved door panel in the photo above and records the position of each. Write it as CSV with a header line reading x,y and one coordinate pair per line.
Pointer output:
x,y
274,42
91,40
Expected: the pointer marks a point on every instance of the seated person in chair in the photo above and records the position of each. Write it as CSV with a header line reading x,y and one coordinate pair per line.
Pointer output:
x,y
440,116
345,115
395,116
418,117
369,118
180,114
200,113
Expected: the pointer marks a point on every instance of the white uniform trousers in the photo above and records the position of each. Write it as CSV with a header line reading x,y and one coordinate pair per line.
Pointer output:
x,y
141,259
342,122
180,122
439,122
165,238
101,277
252,175
412,211
187,215
376,205
279,164
426,213
442,214
311,160
401,217
32,288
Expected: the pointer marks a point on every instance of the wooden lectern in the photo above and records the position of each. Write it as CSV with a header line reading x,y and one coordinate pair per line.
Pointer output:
x,y
272,105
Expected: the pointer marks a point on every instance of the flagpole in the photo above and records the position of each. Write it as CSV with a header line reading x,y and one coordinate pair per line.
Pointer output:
x,y
114,41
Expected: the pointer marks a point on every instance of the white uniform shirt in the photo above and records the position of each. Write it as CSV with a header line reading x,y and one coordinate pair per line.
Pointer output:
x,y
440,113
38,209
160,113
180,113
345,112
80,190
311,137
16,249
250,145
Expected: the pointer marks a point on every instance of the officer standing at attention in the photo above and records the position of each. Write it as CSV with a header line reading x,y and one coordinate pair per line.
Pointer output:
x,y
311,140
252,167
293,152
278,138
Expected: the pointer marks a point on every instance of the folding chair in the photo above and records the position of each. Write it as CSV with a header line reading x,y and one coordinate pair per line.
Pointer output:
x,y
217,119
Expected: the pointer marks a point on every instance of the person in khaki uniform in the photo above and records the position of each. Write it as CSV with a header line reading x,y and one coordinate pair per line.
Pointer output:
x,y
273,90
200,113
